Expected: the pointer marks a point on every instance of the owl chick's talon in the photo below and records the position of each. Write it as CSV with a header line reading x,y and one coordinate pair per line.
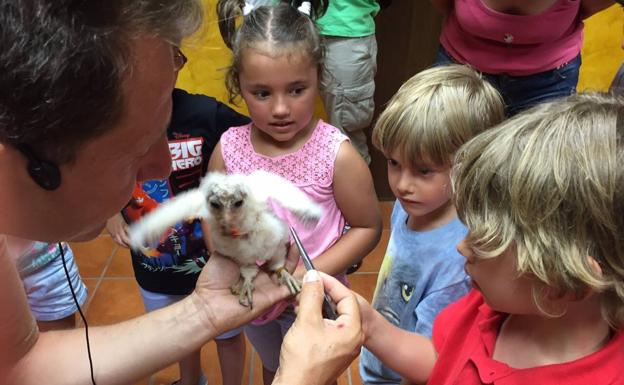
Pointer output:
x,y
236,287
244,290
285,278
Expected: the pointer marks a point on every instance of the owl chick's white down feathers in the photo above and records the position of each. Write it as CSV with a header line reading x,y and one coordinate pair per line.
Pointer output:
x,y
242,226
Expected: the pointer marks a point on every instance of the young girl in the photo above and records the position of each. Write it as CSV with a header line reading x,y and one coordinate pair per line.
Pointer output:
x,y
542,196
277,59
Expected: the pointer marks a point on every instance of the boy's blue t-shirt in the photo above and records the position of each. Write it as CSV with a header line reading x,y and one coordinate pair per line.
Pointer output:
x,y
421,273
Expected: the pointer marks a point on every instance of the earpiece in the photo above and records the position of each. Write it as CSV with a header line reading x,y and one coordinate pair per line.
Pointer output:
x,y
46,174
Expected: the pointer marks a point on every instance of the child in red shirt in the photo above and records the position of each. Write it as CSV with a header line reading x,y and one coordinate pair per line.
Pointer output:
x,y
542,195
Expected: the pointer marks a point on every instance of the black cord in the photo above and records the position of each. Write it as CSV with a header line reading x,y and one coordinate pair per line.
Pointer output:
x,y
84,320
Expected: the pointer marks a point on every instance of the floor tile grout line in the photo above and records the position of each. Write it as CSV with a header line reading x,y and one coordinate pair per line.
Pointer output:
x,y
100,278
110,260
117,278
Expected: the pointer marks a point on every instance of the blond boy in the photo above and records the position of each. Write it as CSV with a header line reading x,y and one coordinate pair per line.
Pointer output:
x,y
428,119
543,198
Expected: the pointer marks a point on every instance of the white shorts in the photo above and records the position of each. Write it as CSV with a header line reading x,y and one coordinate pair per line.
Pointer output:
x,y
48,291
154,301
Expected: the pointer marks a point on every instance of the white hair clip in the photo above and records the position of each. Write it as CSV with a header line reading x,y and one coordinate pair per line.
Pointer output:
x,y
250,5
305,8
247,8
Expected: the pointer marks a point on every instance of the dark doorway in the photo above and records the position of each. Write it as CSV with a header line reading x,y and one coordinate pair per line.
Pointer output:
x,y
407,39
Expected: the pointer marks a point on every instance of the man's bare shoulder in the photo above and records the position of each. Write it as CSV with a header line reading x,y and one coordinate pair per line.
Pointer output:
x,y
18,329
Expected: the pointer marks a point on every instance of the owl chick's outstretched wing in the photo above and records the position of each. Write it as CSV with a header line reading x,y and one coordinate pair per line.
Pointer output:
x,y
187,205
265,185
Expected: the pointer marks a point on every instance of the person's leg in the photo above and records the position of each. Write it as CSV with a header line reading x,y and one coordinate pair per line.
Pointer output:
x,y
617,85
49,293
348,86
267,340
231,350
190,365
191,370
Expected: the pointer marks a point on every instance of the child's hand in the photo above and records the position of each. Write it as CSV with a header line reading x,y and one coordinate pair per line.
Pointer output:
x,y
367,313
118,229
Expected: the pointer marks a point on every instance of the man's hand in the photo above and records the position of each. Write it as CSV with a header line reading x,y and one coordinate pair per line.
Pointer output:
x,y
222,309
118,229
316,351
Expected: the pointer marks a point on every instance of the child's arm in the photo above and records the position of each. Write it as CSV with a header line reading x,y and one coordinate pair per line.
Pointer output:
x,y
356,198
410,354
118,230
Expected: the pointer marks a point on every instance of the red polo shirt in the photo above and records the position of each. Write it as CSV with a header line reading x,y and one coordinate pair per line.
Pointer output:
x,y
464,335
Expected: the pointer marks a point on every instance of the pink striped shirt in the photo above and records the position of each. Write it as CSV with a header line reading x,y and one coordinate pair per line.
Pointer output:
x,y
519,45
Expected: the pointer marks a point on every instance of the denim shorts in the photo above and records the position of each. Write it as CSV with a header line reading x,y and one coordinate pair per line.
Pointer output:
x,y
522,92
617,85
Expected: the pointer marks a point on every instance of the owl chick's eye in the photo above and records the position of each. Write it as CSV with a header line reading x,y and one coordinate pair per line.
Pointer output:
x,y
238,203
215,205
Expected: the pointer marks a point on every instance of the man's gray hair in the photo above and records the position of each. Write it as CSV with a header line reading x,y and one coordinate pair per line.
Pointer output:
x,y
62,63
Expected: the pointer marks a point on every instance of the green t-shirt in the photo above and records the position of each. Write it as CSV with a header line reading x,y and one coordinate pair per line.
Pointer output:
x,y
349,18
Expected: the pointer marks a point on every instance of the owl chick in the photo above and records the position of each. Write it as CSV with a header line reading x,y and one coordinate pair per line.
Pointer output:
x,y
242,226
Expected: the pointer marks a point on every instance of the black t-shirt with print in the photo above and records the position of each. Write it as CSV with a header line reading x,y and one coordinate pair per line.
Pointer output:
x,y
197,122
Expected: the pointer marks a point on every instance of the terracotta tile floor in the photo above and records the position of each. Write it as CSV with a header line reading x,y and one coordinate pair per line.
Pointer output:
x,y
114,296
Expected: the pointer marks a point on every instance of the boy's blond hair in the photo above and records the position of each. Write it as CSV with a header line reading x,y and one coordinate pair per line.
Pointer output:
x,y
551,182
435,112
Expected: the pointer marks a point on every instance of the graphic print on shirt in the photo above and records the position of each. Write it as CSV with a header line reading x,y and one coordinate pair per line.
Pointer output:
x,y
186,153
181,249
186,161
395,288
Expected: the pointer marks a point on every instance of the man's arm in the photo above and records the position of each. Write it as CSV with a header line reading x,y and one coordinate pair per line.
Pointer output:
x,y
124,352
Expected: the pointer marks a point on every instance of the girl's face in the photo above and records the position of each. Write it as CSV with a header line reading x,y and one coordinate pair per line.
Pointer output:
x,y
280,92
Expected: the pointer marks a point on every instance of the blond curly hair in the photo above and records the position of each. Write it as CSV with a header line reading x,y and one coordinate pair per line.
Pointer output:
x,y
435,112
550,182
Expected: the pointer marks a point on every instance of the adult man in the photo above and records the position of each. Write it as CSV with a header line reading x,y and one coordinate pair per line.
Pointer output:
x,y
85,103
